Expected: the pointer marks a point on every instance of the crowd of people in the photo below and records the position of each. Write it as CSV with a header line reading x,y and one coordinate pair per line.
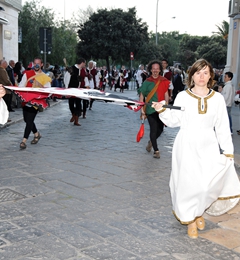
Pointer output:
x,y
177,82
88,75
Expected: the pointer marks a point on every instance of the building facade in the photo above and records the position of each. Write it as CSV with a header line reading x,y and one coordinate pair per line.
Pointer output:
x,y
9,31
233,52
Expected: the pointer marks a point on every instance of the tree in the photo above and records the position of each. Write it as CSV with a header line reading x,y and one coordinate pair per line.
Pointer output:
x,y
31,18
215,51
169,45
64,36
64,43
112,35
223,30
147,52
188,48
83,15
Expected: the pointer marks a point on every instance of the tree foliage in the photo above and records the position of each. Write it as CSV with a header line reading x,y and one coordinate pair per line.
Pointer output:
x,y
214,49
31,18
112,35
64,38
64,43
108,37
148,51
169,45
223,30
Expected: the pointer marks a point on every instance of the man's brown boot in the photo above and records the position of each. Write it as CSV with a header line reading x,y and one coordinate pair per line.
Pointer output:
x,y
149,146
76,120
73,118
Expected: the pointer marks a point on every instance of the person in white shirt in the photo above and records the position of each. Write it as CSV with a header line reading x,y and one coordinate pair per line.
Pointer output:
x,y
139,78
93,78
228,93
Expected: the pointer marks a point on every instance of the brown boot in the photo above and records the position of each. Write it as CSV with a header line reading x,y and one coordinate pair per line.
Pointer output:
x,y
73,118
76,121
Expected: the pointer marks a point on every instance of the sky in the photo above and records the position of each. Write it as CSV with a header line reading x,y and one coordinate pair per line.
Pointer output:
x,y
191,17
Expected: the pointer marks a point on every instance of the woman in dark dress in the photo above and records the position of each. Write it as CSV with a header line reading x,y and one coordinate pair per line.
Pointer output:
x,y
18,71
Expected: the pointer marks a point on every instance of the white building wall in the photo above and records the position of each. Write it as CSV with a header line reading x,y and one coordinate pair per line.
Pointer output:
x,y
9,32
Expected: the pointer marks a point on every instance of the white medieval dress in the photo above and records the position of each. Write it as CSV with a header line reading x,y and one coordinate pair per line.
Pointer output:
x,y
4,114
202,170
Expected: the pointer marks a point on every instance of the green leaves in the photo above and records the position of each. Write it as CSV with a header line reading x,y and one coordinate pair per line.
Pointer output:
x,y
64,37
112,34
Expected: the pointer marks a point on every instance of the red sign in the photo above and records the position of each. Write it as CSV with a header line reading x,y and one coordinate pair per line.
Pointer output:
x,y
131,56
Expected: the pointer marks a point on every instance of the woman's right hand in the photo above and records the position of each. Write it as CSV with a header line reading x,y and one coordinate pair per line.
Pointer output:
x,y
157,105
2,91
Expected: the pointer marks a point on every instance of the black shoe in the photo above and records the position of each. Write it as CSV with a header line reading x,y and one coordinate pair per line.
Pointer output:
x,y
11,110
23,145
36,139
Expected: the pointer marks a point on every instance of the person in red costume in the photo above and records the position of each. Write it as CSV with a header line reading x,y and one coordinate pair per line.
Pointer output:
x,y
103,76
34,78
123,75
77,77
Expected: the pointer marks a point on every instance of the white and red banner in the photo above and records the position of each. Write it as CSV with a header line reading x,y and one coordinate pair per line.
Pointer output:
x,y
38,96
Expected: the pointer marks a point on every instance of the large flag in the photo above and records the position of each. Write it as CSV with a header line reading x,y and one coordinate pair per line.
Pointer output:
x,y
38,96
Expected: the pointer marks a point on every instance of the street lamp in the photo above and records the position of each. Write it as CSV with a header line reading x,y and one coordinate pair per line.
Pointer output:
x,y
157,22
64,11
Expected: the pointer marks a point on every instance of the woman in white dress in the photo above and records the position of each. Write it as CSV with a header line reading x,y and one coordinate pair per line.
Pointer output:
x,y
4,114
203,170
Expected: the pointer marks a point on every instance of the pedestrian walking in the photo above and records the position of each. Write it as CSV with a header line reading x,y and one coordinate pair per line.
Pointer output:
x,y
76,77
203,171
228,93
32,78
154,88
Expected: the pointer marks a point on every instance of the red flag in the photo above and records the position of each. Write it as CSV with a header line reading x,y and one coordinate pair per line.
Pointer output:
x,y
140,133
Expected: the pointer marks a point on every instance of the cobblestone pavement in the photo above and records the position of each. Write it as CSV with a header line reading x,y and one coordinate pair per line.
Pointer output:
x,y
93,192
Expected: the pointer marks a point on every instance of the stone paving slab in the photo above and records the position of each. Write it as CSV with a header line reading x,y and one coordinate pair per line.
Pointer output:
x,y
7,194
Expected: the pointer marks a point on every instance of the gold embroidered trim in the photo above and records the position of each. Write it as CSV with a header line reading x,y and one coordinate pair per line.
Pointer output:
x,y
185,223
220,198
228,198
162,110
229,155
200,111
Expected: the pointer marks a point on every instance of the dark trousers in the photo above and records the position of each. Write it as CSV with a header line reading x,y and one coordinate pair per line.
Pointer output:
x,y
156,128
91,102
29,114
84,105
75,106
230,117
